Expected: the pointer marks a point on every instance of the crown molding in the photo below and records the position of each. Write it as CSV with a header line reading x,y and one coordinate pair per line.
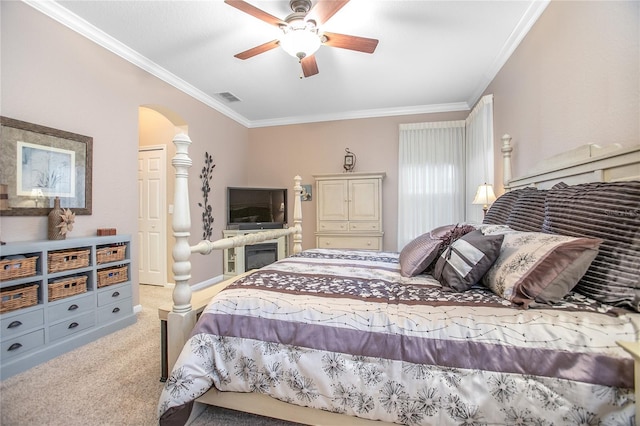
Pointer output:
x,y
525,24
55,11
368,113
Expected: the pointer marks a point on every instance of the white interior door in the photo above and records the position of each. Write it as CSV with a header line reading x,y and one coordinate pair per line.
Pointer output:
x,y
151,215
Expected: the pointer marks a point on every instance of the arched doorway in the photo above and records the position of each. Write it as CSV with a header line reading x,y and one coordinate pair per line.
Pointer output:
x,y
156,129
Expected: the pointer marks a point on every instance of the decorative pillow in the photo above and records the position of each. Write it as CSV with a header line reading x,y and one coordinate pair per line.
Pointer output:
x,y
421,251
499,211
533,266
454,233
609,211
466,260
528,211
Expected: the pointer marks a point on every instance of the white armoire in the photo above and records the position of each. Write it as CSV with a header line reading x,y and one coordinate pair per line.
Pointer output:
x,y
349,210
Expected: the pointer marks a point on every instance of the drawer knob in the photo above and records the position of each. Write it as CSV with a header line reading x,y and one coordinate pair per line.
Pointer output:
x,y
73,325
14,324
115,310
72,307
15,346
115,294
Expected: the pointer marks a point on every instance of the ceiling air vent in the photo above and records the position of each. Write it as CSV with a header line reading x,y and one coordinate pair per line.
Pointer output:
x,y
227,96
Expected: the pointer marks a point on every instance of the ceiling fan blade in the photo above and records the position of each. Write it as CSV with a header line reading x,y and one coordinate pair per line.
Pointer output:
x,y
323,10
309,66
361,44
258,50
255,12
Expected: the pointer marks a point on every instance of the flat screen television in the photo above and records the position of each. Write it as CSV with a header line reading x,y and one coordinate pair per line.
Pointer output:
x,y
256,208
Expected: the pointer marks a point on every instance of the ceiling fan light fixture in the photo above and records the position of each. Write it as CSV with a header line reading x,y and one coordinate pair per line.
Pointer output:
x,y
300,42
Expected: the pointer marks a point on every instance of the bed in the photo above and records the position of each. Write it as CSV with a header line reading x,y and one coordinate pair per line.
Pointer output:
x,y
360,337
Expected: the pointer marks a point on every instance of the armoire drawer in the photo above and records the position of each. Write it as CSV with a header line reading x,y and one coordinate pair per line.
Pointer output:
x,y
350,242
333,226
364,226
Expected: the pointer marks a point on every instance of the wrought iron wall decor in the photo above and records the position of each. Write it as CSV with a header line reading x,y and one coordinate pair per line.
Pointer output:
x,y
207,216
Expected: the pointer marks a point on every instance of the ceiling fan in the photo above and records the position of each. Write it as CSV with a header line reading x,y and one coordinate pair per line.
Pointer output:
x,y
301,36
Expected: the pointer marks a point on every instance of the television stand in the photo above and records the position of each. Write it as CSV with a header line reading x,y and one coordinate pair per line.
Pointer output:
x,y
237,260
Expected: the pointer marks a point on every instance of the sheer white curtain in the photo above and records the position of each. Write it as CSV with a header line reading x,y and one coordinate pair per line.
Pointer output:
x,y
479,154
431,177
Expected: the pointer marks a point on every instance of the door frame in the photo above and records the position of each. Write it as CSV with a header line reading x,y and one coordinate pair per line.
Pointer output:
x,y
163,216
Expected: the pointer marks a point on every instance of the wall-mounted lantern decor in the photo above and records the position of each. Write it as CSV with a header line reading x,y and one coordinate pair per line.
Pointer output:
x,y
349,161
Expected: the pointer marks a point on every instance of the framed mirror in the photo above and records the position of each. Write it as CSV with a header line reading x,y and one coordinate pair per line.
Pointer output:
x,y
40,163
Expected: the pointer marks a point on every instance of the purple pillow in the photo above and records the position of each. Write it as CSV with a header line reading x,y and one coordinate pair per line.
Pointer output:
x,y
416,256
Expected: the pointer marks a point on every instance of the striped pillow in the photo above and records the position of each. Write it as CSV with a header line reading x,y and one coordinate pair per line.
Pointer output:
x,y
609,211
499,211
528,211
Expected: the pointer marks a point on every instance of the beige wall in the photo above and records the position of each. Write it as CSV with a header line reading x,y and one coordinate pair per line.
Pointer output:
x,y
54,77
573,80
279,153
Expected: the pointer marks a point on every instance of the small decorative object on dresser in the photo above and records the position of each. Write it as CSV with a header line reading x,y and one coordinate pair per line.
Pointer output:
x,y
60,221
55,219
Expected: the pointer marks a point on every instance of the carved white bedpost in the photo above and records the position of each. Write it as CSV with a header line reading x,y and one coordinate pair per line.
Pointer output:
x,y
506,160
297,215
181,225
181,320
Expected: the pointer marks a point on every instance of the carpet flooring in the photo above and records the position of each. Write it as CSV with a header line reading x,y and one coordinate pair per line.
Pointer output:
x,y
111,381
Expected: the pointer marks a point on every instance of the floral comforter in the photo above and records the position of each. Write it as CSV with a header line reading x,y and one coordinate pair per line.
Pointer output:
x,y
343,331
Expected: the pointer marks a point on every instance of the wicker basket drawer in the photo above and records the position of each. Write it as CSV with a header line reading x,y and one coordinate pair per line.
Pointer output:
x,y
65,260
110,254
18,297
11,269
72,325
18,323
20,344
110,276
67,287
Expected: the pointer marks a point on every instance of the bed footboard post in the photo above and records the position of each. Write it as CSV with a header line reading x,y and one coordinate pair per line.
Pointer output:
x,y
506,160
181,320
297,215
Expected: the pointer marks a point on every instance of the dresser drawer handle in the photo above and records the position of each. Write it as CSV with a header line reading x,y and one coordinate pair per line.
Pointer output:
x,y
72,307
115,310
15,346
73,325
115,294
14,324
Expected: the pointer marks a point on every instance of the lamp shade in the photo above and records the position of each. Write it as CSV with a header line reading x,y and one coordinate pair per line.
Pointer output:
x,y
484,195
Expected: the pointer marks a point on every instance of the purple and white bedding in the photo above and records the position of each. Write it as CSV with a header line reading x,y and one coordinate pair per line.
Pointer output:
x,y
344,331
